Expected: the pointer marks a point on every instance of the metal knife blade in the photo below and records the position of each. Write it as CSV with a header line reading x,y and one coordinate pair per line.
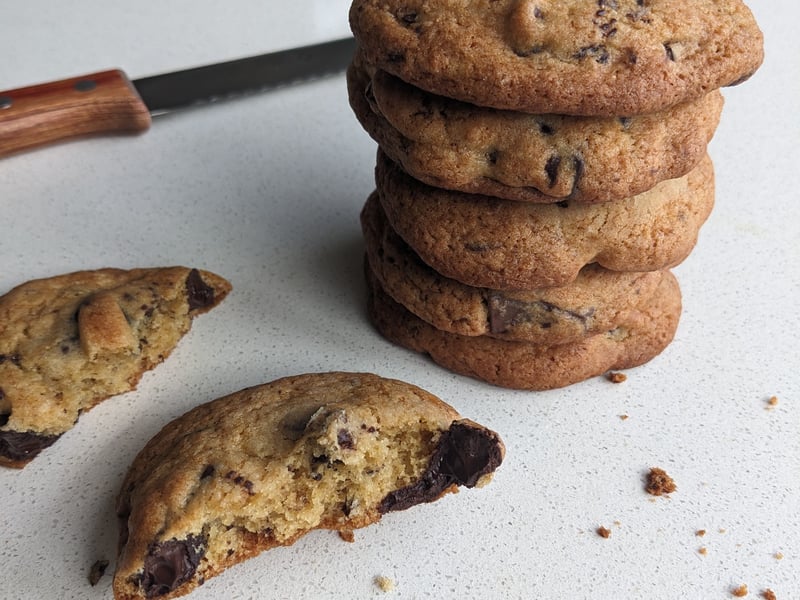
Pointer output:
x,y
109,102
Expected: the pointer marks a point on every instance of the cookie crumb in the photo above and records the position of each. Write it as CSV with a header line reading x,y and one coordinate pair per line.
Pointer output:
x,y
615,377
97,571
347,535
768,594
659,483
624,417
384,583
778,556
702,550
700,532
772,402
740,592
603,532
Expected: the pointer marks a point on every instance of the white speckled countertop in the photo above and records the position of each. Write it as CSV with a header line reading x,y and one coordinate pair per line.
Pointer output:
x,y
267,191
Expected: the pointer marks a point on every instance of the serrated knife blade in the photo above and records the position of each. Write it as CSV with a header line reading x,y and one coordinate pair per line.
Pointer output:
x,y
110,102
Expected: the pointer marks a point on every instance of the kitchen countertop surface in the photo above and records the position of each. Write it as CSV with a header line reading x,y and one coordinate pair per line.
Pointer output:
x,y
266,191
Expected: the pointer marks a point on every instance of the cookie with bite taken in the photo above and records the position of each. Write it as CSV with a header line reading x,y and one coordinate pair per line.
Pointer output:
x,y
264,466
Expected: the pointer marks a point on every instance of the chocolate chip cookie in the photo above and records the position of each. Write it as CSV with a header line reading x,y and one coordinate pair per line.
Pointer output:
x,y
579,57
261,467
505,245
642,335
531,158
71,341
594,303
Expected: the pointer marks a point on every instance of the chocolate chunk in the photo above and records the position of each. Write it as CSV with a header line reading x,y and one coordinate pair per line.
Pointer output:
x,y
609,3
345,439
579,166
476,247
505,313
23,446
741,80
169,564
207,472
597,51
200,295
533,50
464,454
14,359
551,168
492,156
669,51
407,16
241,481
546,129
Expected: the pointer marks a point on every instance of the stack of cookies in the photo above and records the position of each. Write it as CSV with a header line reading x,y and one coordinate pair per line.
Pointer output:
x,y
541,167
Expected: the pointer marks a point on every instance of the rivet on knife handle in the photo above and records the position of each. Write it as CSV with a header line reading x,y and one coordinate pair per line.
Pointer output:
x,y
104,102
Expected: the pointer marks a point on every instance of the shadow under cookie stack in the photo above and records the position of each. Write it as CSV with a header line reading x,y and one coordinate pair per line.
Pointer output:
x,y
541,167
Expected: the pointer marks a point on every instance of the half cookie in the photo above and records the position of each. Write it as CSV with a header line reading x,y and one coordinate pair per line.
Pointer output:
x,y
642,335
69,342
264,466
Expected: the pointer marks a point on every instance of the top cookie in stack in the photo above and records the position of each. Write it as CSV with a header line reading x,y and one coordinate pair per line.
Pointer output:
x,y
521,122
574,57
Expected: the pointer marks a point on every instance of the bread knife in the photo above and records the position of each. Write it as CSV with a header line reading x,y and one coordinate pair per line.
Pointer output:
x,y
110,102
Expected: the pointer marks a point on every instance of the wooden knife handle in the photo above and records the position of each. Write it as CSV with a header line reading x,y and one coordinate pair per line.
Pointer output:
x,y
104,102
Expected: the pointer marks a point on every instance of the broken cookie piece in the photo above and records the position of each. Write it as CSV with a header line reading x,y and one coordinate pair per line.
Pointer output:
x,y
659,482
319,451
71,341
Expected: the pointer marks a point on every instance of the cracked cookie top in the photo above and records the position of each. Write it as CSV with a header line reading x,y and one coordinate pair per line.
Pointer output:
x,y
578,57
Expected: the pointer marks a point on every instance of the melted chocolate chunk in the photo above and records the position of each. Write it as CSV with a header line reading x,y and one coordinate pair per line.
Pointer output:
x,y
505,313
551,168
345,439
22,445
464,454
169,564
199,294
